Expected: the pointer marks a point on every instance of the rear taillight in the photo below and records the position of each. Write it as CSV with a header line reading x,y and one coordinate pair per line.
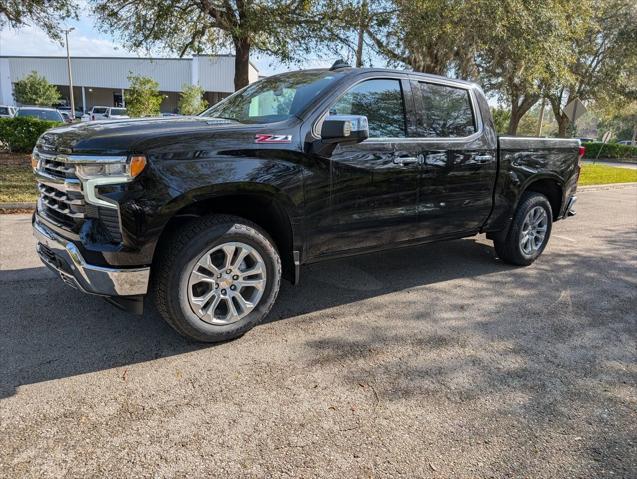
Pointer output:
x,y
582,150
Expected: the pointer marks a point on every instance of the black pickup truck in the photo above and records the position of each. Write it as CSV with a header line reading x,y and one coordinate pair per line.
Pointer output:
x,y
208,213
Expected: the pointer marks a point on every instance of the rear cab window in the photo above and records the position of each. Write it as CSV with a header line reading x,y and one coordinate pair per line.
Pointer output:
x,y
446,112
99,110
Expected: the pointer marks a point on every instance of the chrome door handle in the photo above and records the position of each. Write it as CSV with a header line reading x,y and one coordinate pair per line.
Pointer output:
x,y
483,158
406,160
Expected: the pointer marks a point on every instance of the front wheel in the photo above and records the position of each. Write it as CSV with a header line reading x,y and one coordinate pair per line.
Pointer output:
x,y
217,278
529,232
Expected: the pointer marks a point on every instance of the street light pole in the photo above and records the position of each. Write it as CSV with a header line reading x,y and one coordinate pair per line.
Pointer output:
x,y
68,64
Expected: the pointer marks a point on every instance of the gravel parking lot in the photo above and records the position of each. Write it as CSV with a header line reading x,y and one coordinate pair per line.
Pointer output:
x,y
434,361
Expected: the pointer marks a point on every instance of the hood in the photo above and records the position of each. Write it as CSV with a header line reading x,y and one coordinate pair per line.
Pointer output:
x,y
134,135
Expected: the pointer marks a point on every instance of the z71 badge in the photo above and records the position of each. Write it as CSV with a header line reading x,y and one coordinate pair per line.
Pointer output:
x,y
273,139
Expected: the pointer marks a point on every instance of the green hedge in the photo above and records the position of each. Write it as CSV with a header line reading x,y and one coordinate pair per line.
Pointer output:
x,y
610,150
20,133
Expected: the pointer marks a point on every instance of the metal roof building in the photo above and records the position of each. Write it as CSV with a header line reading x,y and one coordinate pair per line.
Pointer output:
x,y
103,80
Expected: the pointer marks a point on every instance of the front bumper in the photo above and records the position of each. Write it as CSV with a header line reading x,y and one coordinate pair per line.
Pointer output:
x,y
65,259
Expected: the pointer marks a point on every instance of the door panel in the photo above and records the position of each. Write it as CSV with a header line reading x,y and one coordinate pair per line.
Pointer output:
x,y
374,184
459,163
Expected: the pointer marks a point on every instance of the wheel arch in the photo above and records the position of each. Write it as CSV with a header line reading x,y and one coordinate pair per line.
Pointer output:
x,y
264,205
551,186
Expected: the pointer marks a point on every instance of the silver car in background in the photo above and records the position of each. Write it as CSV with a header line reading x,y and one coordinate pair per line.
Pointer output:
x,y
107,113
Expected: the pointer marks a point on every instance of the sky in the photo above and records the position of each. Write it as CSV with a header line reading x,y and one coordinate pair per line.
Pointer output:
x,y
86,40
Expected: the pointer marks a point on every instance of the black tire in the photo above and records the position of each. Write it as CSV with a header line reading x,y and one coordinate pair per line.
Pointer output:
x,y
177,257
510,250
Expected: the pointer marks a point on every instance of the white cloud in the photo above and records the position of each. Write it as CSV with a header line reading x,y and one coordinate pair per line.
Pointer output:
x,y
33,41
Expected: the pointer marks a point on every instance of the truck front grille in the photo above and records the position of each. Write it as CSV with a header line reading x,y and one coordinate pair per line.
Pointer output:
x,y
51,165
62,200
66,206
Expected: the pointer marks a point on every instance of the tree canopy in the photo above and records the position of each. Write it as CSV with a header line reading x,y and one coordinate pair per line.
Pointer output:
x,y
45,14
603,66
284,29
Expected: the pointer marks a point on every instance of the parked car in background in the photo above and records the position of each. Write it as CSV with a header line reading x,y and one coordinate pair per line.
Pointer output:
x,y
67,109
107,113
293,169
7,111
116,113
50,114
97,113
625,142
67,116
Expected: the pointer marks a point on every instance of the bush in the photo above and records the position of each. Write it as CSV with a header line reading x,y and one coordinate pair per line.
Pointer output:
x,y
21,133
34,89
610,150
143,97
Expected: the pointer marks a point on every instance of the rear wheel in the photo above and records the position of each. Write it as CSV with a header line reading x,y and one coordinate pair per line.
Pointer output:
x,y
217,278
529,232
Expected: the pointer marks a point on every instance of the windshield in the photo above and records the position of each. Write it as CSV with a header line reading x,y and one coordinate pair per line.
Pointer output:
x,y
99,110
276,98
118,112
51,115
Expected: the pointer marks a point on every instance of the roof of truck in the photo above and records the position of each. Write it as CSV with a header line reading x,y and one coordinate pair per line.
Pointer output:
x,y
353,71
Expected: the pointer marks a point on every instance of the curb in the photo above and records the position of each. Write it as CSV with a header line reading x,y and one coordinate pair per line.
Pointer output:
x,y
609,186
628,161
16,207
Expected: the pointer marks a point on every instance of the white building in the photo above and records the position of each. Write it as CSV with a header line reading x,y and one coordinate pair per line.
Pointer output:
x,y
103,80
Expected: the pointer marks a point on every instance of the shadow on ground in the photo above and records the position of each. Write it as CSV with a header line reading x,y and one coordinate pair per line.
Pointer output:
x,y
50,331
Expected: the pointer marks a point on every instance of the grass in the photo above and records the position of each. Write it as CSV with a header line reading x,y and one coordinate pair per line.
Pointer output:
x,y
599,174
17,184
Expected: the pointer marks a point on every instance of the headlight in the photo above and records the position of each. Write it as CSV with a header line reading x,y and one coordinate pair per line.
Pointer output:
x,y
127,169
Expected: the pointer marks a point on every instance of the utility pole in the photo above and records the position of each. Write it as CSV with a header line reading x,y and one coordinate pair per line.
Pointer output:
x,y
362,25
68,64
541,119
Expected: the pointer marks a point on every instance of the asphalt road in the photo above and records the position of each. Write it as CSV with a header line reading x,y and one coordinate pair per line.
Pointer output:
x,y
435,361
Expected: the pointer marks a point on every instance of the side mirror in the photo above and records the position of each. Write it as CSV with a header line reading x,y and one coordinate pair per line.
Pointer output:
x,y
344,129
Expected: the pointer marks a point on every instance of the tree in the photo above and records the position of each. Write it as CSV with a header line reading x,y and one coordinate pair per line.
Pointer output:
x,y
512,47
143,97
284,29
623,123
429,36
525,49
604,63
34,89
501,117
191,100
46,14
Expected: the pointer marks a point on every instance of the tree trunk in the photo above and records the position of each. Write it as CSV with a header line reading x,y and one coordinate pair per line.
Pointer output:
x,y
520,105
514,121
362,26
561,119
562,125
241,63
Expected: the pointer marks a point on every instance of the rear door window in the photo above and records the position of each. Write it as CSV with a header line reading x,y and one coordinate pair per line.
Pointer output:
x,y
381,101
447,112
